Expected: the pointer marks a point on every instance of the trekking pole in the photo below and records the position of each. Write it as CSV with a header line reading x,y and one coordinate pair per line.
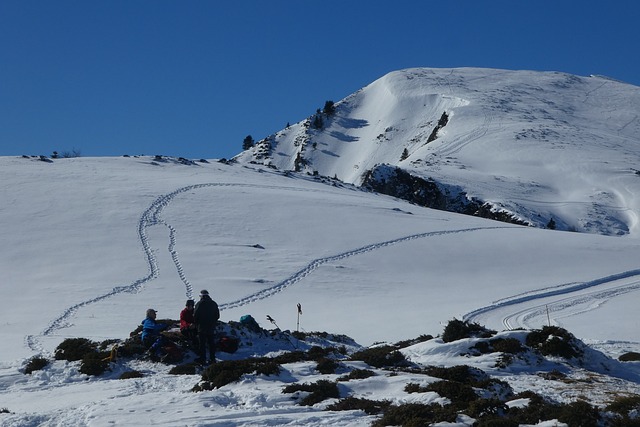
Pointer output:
x,y
299,313
272,320
548,317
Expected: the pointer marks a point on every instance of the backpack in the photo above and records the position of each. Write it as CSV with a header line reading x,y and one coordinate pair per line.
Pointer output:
x,y
250,323
228,344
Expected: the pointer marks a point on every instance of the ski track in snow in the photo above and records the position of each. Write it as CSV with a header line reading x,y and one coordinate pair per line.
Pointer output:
x,y
573,297
152,217
449,148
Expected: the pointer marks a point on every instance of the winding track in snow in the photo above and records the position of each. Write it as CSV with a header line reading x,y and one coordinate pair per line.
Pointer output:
x,y
152,217
313,265
569,296
519,317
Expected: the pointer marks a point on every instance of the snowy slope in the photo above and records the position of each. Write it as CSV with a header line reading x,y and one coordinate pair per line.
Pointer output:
x,y
529,143
91,243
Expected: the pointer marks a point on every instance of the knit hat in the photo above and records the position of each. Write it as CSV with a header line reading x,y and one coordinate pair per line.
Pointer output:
x,y
204,292
190,303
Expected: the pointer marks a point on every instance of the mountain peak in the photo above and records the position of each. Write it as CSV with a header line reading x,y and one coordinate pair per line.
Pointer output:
x,y
523,142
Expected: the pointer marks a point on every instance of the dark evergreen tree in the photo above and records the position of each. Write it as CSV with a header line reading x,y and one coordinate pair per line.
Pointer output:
x,y
329,108
317,122
248,142
405,154
298,163
551,225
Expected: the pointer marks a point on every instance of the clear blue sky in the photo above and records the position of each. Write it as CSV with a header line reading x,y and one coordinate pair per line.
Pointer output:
x,y
193,78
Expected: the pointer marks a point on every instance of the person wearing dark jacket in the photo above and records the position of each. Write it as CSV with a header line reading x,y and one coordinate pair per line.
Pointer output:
x,y
206,315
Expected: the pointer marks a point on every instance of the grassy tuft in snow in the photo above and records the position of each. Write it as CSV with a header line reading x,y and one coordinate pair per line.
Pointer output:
x,y
381,356
459,329
318,391
554,341
368,406
36,363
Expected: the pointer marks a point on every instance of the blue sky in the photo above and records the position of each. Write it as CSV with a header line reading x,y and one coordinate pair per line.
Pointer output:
x,y
193,78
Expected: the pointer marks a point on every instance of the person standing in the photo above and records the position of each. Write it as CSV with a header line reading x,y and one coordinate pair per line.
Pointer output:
x,y
206,315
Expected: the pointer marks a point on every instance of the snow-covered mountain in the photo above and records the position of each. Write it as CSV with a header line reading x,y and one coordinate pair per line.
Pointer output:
x,y
535,145
90,243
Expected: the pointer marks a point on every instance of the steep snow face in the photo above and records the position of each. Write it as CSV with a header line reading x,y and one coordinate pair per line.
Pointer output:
x,y
527,142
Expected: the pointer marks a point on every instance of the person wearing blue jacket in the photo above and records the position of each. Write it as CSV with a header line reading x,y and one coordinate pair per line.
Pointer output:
x,y
151,337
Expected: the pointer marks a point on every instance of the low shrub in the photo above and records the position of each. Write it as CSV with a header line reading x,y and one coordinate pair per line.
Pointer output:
x,y
222,373
327,366
504,360
319,391
624,404
301,336
459,394
537,410
383,356
357,374
554,341
73,349
5,411
131,347
268,367
94,363
459,373
630,357
495,421
414,388
314,353
415,415
185,369
407,343
498,389
458,329
131,374
317,352
369,407
507,345
489,409
579,413
35,364
291,357
483,347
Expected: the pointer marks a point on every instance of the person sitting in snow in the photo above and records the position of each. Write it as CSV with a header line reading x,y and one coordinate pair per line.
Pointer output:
x,y
187,323
151,337
206,315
